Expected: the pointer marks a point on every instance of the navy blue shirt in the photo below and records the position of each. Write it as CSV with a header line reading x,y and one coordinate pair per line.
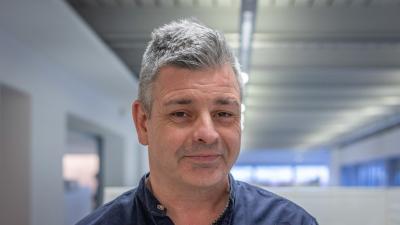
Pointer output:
x,y
248,205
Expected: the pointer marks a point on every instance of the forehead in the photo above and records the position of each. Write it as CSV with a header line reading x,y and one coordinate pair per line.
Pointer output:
x,y
174,82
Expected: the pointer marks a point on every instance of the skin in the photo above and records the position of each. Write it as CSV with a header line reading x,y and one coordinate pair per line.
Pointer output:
x,y
193,137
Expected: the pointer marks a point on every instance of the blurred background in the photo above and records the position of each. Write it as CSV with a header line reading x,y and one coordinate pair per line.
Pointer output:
x,y
321,113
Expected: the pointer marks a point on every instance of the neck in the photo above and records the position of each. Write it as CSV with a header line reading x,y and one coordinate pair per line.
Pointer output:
x,y
188,204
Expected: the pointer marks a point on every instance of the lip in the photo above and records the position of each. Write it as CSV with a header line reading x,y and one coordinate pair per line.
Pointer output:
x,y
204,158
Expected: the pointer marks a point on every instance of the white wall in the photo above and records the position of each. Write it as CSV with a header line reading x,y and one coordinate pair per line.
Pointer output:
x,y
393,207
380,146
347,206
54,93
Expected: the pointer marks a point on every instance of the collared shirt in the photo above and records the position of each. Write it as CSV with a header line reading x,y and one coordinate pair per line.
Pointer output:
x,y
248,205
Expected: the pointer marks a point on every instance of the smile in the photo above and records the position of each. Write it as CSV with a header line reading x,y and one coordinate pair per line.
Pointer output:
x,y
203,158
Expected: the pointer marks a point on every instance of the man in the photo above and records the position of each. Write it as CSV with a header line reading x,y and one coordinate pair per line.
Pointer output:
x,y
188,113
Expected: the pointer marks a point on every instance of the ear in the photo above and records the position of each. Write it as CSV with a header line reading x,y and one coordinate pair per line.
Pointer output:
x,y
140,118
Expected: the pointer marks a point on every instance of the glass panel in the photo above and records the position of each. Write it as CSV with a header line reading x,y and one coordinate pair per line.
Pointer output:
x,y
273,175
312,175
243,173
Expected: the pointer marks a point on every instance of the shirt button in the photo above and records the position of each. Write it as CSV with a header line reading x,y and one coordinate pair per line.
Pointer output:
x,y
160,207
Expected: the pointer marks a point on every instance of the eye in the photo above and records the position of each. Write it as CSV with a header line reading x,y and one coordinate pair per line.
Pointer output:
x,y
179,114
225,117
224,114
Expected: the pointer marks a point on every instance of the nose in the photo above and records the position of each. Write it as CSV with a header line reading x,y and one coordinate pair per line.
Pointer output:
x,y
205,131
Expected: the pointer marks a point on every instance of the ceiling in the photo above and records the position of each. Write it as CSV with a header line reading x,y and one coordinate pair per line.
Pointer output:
x,y
322,72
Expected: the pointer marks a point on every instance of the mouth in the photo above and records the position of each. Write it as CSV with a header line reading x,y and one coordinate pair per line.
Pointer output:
x,y
204,158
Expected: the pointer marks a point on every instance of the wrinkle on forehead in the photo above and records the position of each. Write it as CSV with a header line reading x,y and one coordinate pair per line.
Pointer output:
x,y
224,74
203,86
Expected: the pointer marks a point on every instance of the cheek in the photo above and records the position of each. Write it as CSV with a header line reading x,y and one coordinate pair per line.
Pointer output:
x,y
167,139
232,138
175,138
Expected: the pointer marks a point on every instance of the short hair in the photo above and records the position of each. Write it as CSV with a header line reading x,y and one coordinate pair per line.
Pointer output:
x,y
185,44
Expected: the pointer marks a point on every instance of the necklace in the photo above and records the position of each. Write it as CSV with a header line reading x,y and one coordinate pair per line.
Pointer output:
x,y
217,220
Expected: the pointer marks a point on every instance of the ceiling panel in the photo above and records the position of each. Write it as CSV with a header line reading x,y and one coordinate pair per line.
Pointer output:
x,y
320,69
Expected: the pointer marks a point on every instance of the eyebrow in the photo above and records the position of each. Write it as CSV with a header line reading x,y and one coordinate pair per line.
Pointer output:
x,y
182,101
218,101
226,101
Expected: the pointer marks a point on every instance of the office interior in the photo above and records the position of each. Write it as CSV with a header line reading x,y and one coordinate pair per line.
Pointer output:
x,y
321,107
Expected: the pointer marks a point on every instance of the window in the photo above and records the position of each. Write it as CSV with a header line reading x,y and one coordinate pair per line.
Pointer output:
x,y
273,175
312,175
382,172
282,175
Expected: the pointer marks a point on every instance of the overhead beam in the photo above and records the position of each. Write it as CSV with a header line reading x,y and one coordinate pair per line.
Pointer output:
x,y
367,131
248,13
286,20
328,20
130,20
322,56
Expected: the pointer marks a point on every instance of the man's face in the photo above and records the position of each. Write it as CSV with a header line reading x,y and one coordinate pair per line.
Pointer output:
x,y
193,134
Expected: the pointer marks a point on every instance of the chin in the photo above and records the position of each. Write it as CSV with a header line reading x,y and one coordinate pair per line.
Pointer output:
x,y
204,178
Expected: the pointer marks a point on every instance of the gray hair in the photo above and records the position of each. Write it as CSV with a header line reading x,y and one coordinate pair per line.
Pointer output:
x,y
185,44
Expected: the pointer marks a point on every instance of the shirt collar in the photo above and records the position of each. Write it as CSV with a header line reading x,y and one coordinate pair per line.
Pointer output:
x,y
152,204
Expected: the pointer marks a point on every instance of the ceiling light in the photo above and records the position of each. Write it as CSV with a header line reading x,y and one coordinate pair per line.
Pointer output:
x,y
247,28
243,108
373,111
391,101
245,77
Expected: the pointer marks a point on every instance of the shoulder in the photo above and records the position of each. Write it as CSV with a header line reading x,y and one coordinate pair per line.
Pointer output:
x,y
258,204
112,213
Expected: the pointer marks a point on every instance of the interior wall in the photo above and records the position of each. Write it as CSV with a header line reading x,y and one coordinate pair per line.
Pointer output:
x,y
14,157
377,147
380,146
53,96
347,206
